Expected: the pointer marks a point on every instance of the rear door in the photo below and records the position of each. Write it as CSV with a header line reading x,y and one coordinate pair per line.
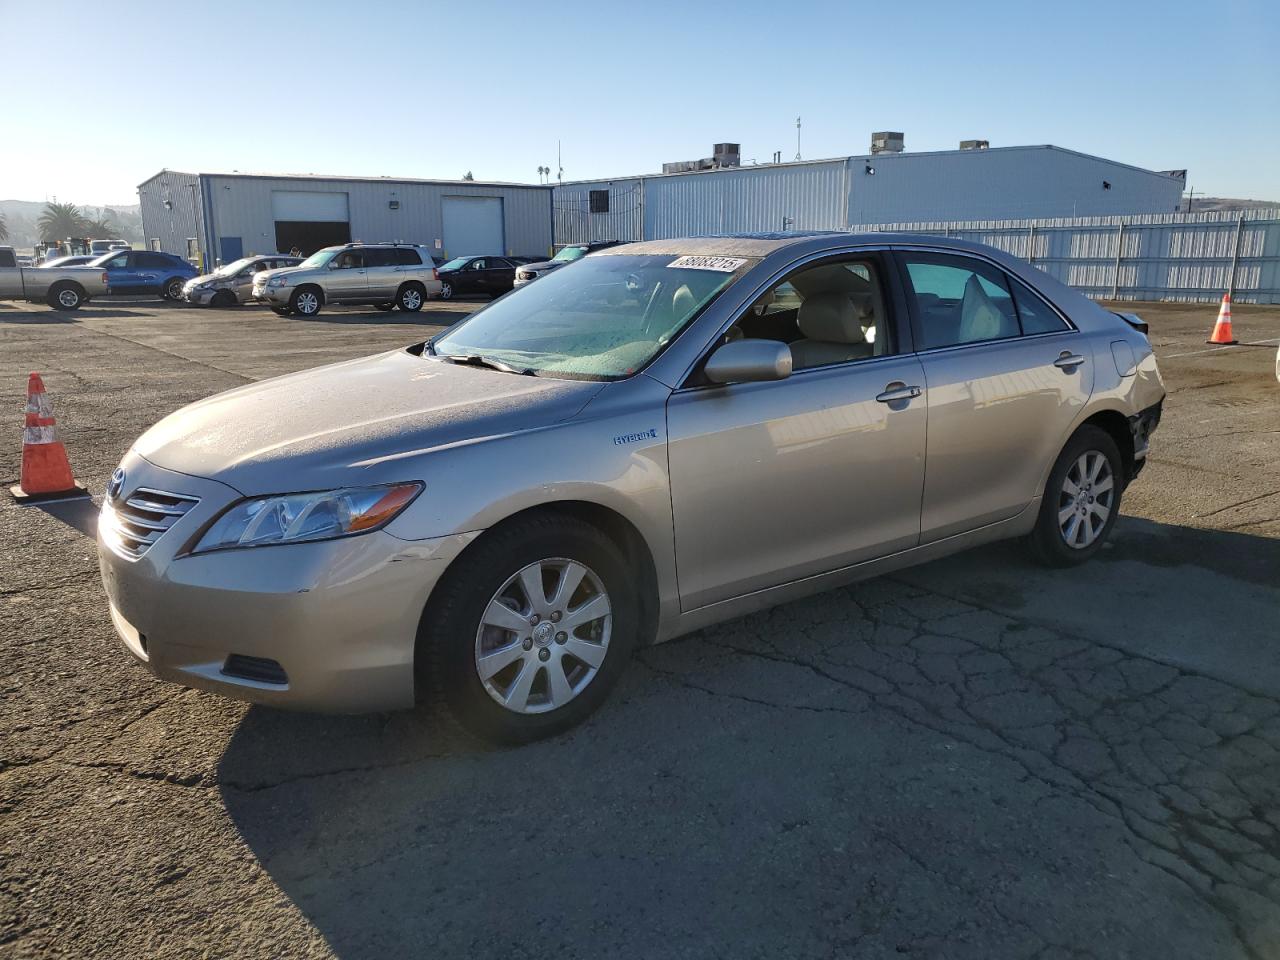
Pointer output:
x,y
382,267
1006,376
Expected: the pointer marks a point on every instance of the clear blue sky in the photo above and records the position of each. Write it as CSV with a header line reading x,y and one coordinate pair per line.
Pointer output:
x,y
433,90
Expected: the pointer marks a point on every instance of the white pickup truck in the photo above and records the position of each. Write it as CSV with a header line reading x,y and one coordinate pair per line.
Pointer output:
x,y
63,288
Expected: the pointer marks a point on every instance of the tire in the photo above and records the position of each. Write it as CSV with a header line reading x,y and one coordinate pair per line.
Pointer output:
x,y
384,307
446,290
66,295
172,288
1081,499
223,298
410,297
306,301
281,311
453,635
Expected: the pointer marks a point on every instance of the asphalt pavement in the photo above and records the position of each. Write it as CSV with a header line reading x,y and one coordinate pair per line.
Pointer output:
x,y
975,758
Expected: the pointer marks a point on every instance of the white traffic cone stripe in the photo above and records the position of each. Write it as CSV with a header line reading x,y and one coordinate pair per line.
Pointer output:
x,y
38,403
34,436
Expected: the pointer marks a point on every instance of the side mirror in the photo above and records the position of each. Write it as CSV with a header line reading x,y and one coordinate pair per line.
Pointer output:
x,y
744,361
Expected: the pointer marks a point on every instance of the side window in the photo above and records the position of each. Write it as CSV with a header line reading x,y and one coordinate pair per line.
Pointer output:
x,y
117,263
151,261
834,312
1036,315
478,265
379,257
958,300
350,260
407,258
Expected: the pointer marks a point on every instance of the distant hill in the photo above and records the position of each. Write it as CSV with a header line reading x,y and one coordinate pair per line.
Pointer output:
x,y
21,215
1200,204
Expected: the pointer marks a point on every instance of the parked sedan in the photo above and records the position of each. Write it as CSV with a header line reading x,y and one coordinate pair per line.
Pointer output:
x,y
671,434
133,272
233,283
487,276
531,271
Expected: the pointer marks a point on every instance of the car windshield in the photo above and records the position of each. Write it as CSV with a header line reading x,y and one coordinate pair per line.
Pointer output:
x,y
320,258
234,267
457,263
569,254
602,320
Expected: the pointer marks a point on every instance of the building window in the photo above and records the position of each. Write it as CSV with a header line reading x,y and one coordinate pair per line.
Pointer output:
x,y
599,201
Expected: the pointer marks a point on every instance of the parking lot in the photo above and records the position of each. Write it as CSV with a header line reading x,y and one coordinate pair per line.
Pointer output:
x,y
975,758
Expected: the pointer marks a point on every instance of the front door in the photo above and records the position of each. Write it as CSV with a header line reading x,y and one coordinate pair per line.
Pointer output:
x,y
1003,383
776,481
348,279
122,273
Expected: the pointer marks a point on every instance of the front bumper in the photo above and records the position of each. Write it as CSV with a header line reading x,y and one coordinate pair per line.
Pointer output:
x,y
275,295
339,617
200,298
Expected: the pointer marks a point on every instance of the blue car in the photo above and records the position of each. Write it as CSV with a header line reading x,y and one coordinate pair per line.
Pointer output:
x,y
145,271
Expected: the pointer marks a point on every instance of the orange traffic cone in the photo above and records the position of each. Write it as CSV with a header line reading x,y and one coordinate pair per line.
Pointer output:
x,y
1222,329
46,473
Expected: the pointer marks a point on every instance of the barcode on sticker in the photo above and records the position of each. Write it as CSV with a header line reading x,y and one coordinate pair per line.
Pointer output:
x,y
721,264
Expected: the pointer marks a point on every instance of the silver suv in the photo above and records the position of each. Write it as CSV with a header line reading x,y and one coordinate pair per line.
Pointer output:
x,y
386,275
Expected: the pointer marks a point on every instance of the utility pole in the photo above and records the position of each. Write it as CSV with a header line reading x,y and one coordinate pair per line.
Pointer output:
x,y
1191,196
559,165
797,138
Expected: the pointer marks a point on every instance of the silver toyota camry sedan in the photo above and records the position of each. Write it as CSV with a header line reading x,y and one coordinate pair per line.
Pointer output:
x,y
659,437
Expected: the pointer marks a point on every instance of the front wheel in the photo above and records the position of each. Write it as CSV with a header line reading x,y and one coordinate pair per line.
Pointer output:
x,y
410,298
305,302
223,298
446,290
530,629
1081,499
173,288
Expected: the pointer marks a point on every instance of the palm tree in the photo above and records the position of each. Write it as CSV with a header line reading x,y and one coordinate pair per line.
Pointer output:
x,y
59,221
4,229
100,228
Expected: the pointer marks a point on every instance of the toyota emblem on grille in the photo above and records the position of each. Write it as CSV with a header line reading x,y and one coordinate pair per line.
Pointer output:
x,y
116,484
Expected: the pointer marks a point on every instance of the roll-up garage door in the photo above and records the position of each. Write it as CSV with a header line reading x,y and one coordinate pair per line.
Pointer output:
x,y
473,226
310,219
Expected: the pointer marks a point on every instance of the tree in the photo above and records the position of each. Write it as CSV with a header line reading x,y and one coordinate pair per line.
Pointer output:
x,y
59,221
100,228
4,229
467,176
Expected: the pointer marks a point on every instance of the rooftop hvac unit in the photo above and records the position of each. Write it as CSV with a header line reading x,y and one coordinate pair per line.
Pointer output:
x,y
886,141
974,144
727,154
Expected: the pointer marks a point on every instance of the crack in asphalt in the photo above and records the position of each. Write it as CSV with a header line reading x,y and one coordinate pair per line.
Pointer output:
x,y
1088,721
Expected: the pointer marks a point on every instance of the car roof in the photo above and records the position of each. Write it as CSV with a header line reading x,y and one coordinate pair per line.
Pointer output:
x,y
763,244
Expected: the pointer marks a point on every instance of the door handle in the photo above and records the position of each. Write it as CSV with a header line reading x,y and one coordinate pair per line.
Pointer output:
x,y
1068,361
896,391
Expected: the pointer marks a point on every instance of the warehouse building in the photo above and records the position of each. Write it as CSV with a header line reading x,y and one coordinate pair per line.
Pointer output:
x,y
212,217
977,182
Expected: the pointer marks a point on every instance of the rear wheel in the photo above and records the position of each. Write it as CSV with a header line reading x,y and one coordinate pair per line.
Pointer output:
x,y
1081,499
530,629
65,296
305,301
410,297
172,289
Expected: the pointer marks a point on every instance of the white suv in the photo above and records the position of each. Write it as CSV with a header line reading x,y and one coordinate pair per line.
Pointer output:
x,y
386,275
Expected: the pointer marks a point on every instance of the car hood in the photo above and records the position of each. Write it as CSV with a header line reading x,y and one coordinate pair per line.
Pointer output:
x,y
362,421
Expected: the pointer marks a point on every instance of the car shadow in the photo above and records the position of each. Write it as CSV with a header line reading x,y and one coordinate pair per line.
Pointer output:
x,y
751,788
36,316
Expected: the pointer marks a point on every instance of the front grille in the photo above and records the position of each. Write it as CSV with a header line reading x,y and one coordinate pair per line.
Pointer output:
x,y
259,669
143,518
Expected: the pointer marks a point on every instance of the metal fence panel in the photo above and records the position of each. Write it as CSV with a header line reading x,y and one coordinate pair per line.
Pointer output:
x,y
1192,257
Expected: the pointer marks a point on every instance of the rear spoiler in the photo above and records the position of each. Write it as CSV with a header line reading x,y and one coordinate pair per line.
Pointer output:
x,y
1133,320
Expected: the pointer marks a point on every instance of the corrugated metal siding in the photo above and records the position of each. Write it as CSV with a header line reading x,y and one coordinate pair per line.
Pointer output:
x,y
575,223
1177,256
174,224
241,207
800,197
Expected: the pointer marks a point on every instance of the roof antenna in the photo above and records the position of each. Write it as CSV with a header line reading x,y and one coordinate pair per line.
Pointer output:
x,y
797,138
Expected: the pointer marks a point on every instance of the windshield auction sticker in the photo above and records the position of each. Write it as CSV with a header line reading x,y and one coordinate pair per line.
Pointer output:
x,y
719,264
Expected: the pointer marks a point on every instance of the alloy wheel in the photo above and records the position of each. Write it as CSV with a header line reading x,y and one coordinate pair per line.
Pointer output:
x,y
1086,499
307,303
543,636
446,291
411,299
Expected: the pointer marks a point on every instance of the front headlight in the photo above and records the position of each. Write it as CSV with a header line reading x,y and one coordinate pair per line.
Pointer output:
x,y
301,517
278,282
